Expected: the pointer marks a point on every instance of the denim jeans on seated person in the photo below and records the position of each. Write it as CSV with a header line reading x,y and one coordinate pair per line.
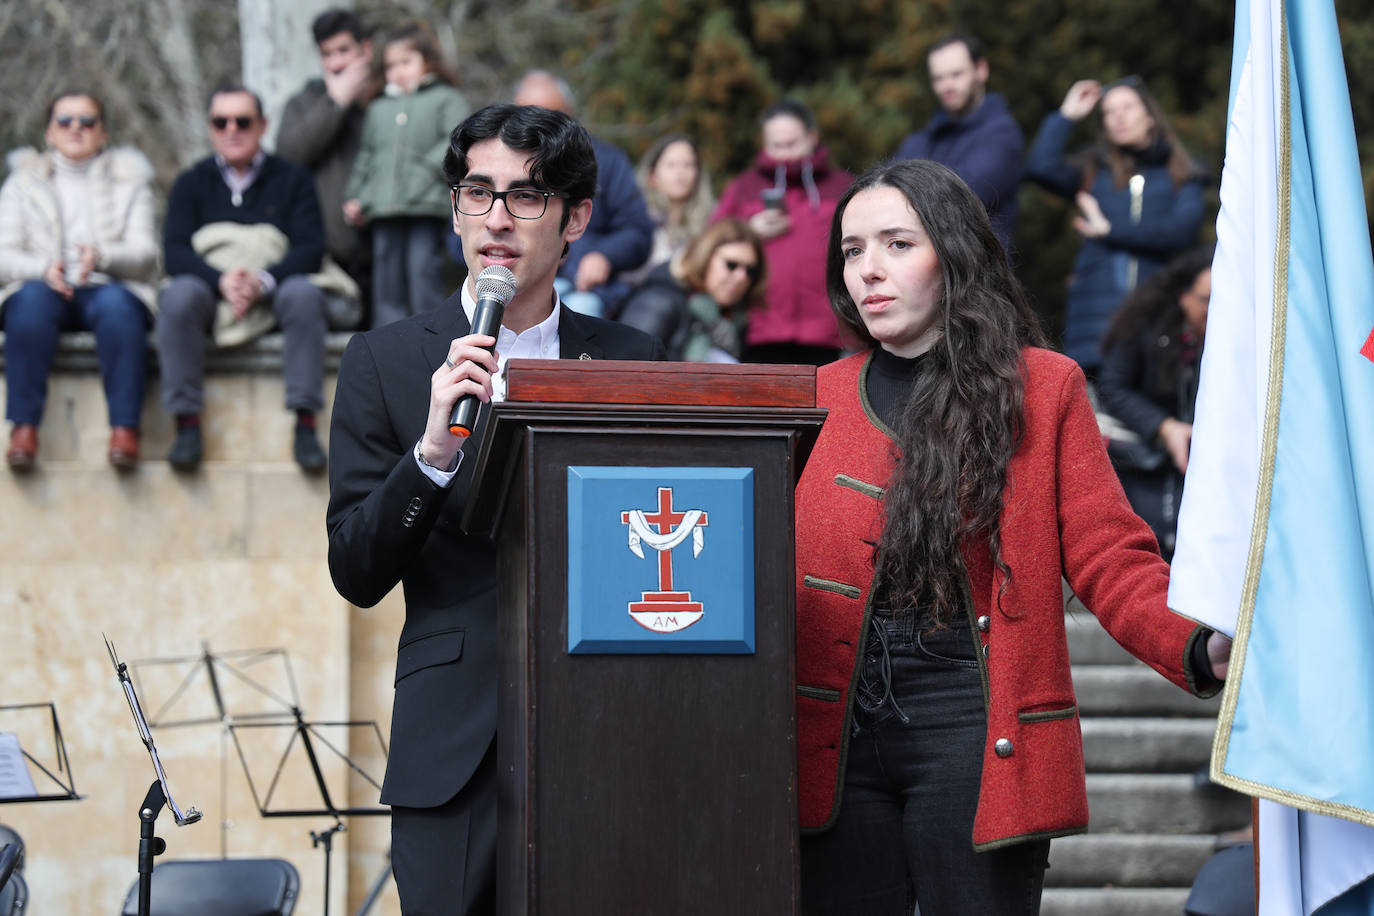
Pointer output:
x,y
904,834
35,315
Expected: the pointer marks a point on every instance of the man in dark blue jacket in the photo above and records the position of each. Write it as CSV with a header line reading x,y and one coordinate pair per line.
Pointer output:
x,y
620,235
973,132
243,228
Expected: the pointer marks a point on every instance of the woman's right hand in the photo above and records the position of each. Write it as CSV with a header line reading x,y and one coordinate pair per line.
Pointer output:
x,y
1178,438
56,278
1081,99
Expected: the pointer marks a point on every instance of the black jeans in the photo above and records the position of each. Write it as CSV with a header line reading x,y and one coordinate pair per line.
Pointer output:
x,y
904,834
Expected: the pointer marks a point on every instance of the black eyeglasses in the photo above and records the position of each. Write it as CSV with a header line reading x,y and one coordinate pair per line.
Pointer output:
x,y
751,269
87,121
242,122
521,203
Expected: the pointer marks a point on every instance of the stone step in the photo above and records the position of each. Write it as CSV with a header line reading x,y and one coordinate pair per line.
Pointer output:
x,y
1162,803
1089,644
1113,901
1122,690
1128,859
1144,745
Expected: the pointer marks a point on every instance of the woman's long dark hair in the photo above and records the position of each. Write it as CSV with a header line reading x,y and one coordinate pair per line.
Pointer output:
x,y
1154,305
964,418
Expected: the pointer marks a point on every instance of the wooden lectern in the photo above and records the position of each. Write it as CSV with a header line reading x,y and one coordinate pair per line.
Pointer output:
x,y
646,738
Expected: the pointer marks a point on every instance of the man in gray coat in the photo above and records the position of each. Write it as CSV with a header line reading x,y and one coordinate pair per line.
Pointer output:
x,y
322,127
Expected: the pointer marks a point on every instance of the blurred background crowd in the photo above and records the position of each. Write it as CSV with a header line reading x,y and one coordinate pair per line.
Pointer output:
x,y
724,134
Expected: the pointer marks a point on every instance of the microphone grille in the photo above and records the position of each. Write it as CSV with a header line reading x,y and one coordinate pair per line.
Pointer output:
x,y
496,282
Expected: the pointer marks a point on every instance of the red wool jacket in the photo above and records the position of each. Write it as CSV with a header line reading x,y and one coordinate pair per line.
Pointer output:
x,y
1064,513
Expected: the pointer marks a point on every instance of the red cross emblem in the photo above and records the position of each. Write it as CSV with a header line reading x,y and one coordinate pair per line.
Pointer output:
x,y
665,610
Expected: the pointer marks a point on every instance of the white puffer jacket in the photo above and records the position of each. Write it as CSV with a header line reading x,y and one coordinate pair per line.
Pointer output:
x,y
122,219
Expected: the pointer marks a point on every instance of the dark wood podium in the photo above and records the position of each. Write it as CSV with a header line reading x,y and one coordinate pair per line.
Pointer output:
x,y
651,777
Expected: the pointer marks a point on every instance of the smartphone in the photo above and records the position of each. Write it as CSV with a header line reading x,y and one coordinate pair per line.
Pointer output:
x,y
774,199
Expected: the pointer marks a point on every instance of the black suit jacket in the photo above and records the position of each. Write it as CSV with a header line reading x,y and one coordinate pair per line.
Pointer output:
x,y
390,523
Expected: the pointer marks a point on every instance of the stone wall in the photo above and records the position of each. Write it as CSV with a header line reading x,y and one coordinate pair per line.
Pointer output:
x,y
166,565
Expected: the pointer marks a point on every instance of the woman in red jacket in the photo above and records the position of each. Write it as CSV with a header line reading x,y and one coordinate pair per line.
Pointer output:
x,y
958,476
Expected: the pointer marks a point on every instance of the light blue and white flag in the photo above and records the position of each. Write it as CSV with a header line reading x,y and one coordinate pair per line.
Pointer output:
x,y
1276,528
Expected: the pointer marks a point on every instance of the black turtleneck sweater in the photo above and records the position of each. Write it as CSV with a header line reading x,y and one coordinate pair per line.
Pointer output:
x,y
889,382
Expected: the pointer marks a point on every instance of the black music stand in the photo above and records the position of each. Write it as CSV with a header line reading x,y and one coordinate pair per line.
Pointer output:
x,y
237,680
58,790
309,742
49,787
250,670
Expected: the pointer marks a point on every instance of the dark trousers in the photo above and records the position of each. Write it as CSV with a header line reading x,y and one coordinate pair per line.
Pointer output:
x,y
34,317
407,267
904,834
186,313
444,858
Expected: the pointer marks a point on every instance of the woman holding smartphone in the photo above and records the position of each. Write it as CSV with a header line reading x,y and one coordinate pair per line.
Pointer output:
x,y
787,199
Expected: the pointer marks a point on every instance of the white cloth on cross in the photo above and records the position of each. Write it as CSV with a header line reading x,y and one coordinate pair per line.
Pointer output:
x,y
640,531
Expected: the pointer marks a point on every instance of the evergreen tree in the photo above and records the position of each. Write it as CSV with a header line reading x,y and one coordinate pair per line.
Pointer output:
x,y
709,68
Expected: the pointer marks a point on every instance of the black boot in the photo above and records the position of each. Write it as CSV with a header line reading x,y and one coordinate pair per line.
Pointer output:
x,y
187,448
309,455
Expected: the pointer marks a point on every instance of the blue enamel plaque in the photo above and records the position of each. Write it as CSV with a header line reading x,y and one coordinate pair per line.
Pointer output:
x,y
660,560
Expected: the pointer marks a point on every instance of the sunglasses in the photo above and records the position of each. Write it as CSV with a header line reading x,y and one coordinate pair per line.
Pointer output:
x,y
87,121
242,122
751,269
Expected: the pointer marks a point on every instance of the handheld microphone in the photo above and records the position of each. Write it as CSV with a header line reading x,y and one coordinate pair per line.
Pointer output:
x,y
495,288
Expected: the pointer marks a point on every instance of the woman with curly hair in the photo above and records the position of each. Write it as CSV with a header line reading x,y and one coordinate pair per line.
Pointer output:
x,y
959,474
1138,194
1151,357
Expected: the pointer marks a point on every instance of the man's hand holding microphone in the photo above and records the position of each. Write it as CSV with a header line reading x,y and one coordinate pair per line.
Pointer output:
x,y
458,388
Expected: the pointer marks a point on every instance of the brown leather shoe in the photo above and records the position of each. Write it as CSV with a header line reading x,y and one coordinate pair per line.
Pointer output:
x,y
124,447
23,447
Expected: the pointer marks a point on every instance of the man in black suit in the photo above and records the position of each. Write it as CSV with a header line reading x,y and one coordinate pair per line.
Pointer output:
x,y
522,179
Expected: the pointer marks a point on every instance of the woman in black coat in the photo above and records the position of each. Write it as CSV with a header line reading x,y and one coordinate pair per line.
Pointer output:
x,y
1148,382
